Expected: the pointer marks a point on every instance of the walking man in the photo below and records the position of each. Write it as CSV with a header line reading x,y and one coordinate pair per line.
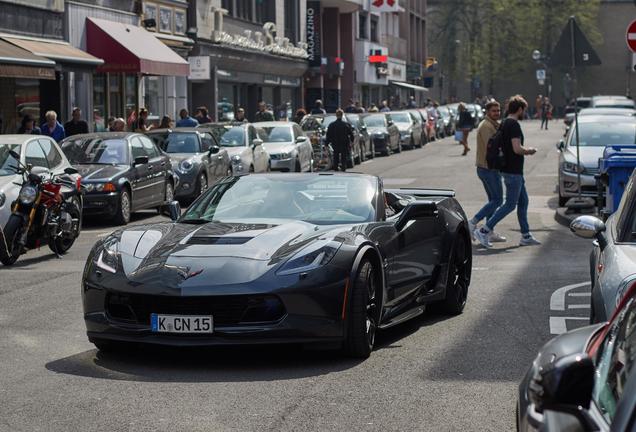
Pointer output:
x,y
262,115
76,125
340,136
186,120
512,173
546,112
490,178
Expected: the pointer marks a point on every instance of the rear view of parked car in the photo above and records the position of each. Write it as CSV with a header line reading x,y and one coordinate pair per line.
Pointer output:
x,y
121,173
288,147
410,129
196,158
384,134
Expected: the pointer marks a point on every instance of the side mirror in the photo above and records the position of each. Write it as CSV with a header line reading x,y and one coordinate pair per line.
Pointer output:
x,y
416,210
70,170
301,139
172,210
565,385
560,145
40,171
587,227
214,149
141,160
256,142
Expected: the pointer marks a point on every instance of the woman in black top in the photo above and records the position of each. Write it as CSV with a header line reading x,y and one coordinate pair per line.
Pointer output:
x,y
464,124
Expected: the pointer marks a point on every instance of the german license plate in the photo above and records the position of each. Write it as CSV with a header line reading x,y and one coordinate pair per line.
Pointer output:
x,y
181,323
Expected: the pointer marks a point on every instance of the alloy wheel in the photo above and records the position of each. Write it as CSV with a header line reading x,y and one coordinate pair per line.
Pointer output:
x,y
372,310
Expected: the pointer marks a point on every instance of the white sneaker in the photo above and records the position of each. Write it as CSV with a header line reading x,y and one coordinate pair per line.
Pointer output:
x,y
497,238
471,227
528,240
483,238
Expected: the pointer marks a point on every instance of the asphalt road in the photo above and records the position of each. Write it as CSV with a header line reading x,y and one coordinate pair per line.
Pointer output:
x,y
432,374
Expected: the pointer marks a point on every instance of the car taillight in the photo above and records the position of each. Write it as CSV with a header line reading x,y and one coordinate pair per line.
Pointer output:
x,y
78,182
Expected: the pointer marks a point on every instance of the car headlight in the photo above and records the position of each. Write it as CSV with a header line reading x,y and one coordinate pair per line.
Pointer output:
x,y
186,166
236,158
570,167
310,258
108,258
284,155
27,195
3,198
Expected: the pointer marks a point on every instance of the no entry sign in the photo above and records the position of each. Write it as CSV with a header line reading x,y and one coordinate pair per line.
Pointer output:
x,y
631,36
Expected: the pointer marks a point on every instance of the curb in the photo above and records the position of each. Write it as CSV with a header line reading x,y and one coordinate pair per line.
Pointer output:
x,y
564,216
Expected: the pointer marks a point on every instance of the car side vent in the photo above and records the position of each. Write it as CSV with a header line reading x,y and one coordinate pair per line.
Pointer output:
x,y
209,240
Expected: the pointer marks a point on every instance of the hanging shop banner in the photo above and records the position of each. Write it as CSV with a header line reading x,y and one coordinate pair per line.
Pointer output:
x,y
314,45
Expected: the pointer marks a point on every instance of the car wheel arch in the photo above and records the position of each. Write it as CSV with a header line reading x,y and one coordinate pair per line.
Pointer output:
x,y
370,252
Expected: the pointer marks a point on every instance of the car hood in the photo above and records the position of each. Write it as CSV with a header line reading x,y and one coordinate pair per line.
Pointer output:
x,y
100,171
403,127
589,155
279,147
235,252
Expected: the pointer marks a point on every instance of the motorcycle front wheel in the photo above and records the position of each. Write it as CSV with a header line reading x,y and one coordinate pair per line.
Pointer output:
x,y
10,243
60,245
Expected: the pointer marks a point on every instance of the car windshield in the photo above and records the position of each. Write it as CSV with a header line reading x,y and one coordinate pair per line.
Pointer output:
x,y
178,142
400,118
8,164
320,200
614,104
377,120
233,137
96,151
605,134
277,134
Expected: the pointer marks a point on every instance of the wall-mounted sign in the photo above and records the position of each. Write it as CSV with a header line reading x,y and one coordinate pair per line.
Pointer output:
x,y
265,41
314,39
385,6
378,59
199,68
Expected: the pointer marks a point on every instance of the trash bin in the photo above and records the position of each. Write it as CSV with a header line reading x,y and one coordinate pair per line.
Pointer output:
x,y
616,167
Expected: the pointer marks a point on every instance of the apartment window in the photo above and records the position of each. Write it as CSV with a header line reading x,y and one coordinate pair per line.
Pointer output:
x,y
292,20
228,5
362,26
265,11
244,9
374,29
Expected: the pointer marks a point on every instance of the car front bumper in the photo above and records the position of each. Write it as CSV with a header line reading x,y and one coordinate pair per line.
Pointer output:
x,y
187,184
282,164
101,203
568,185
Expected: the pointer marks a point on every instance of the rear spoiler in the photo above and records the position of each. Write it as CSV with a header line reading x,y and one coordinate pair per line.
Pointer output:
x,y
423,192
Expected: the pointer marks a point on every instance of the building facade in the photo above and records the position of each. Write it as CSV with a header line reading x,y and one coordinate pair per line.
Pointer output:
x,y
248,51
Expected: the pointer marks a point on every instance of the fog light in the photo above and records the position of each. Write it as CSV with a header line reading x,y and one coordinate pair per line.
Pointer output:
x,y
568,184
186,185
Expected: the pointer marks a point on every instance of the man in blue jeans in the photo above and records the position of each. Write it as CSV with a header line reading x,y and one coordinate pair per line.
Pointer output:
x,y
512,173
491,179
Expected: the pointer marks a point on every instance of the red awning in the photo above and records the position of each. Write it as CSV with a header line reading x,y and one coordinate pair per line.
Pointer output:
x,y
131,49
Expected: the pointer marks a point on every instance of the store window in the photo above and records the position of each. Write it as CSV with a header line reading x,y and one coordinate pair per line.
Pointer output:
x,y
227,101
130,94
152,95
27,100
114,95
265,11
292,20
99,102
244,9
228,5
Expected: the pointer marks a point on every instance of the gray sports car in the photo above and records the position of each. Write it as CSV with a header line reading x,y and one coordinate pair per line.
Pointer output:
x,y
195,156
613,258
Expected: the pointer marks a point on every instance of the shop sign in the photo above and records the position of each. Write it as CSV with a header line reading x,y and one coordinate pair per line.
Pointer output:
x,y
314,40
270,79
290,82
265,41
199,68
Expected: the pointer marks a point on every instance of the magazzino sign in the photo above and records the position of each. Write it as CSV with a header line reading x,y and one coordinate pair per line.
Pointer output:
x,y
385,6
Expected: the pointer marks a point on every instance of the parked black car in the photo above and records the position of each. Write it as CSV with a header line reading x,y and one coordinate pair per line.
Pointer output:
x,y
384,134
196,157
121,172
367,150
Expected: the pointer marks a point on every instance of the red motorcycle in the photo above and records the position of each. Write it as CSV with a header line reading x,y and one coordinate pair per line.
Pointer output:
x,y
42,213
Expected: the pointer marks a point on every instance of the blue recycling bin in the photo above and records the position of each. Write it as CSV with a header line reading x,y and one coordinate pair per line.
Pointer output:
x,y
617,166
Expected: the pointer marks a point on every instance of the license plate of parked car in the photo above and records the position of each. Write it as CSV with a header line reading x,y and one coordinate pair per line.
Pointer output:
x,y
181,324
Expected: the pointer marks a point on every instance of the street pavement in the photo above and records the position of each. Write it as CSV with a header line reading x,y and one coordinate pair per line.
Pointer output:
x,y
434,373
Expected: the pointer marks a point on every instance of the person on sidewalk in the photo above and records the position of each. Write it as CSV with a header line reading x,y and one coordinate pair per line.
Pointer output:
x,y
76,125
52,127
490,178
186,120
512,173
28,126
318,108
340,136
464,124
263,115
385,107
546,112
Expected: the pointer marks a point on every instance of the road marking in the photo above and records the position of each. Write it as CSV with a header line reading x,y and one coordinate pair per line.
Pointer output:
x,y
558,325
557,299
579,306
579,294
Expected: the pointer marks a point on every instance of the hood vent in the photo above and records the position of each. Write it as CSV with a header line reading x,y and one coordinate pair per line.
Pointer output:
x,y
212,240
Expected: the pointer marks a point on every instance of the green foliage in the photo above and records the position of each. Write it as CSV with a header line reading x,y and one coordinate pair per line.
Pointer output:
x,y
497,37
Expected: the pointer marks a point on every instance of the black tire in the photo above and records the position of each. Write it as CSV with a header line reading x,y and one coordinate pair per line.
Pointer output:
x,y
61,245
592,313
363,315
202,185
12,232
122,216
372,155
362,156
297,167
251,168
399,147
350,160
459,267
563,201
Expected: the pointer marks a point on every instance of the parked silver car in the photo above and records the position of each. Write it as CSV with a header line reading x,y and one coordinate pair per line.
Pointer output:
x,y
410,129
38,151
243,145
196,158
288,147
613,258
595,132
